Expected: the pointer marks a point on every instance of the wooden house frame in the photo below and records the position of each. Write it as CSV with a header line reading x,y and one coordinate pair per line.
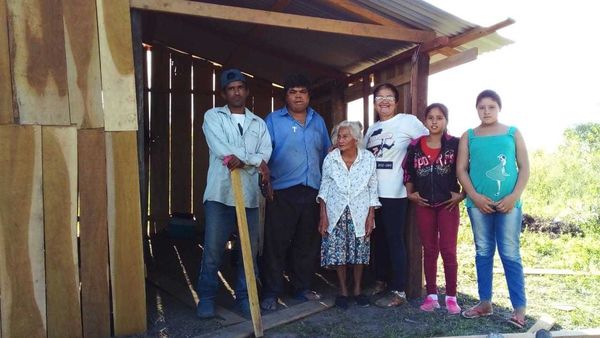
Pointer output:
x,y
75,148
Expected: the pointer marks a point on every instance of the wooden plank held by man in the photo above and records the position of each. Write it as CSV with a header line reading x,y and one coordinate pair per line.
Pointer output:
x,y
240,211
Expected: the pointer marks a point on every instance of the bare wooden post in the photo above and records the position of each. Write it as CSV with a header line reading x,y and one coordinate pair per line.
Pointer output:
x,y
366,91
247,255
418,102
338,105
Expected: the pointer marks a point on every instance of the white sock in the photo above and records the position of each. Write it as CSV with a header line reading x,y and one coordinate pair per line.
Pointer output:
x,y
433,296
451,298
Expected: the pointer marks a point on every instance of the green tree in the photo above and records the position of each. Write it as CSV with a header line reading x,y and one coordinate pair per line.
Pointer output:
x,y
565,183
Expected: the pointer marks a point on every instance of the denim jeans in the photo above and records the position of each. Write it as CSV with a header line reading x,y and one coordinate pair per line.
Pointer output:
x,y
220,223
504,231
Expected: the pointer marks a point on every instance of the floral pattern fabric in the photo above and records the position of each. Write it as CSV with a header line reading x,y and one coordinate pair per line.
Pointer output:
x,y
354,188
342,247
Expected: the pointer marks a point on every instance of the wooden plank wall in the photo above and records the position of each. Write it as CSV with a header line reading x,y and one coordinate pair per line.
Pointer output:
x,y
187,153
55,276
203,101
59,163
22,270
159,140
83,64
6,112
125,233
181,133
118,78
37,61
93,233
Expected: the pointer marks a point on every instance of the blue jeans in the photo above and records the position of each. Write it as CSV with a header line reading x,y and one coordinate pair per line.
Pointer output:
x,y
220,223
503,230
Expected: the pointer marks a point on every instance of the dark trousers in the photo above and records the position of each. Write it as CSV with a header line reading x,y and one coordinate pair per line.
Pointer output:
x,y
291,224
389,246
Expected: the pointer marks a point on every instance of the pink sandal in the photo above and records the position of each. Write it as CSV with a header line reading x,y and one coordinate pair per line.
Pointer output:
x,y
477,311
517,322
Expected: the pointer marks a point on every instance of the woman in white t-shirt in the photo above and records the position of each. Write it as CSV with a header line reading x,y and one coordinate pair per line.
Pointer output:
x,y
388,139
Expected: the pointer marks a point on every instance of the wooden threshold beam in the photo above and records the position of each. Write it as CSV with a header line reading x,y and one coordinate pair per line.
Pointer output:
x,y
262,17
581,333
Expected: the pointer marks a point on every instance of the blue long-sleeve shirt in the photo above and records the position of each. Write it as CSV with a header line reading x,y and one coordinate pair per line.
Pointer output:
x,y
298,150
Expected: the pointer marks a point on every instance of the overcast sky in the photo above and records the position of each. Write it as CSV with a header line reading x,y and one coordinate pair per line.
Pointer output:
x,y
548,79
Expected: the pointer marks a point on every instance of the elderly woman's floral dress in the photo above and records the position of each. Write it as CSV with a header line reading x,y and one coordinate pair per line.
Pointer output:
x,y
348,193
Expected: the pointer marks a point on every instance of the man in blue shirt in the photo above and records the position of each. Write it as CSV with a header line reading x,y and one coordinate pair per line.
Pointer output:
x,y
300,143
237,139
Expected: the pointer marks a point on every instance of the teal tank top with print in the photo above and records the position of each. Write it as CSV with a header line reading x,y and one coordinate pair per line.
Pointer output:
x,y
493,165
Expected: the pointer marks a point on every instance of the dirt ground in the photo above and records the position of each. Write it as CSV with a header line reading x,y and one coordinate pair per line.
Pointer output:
x,y
171,315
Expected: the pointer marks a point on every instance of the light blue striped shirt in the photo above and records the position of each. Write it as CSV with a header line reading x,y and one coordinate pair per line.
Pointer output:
x,y
224,138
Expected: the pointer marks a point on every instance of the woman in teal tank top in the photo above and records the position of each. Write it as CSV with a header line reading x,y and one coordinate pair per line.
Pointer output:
x,y
493,169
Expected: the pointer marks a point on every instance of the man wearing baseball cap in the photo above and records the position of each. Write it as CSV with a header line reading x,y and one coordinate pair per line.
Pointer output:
x,y
237,139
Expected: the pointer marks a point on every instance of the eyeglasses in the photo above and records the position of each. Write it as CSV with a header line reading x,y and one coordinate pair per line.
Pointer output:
x,y
380,98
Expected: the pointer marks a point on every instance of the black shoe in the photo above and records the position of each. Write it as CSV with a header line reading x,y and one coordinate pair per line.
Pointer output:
x,y
341,302
362,300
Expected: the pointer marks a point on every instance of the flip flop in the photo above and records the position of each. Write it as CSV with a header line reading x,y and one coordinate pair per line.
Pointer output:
x,y
476,312
307,295
516,322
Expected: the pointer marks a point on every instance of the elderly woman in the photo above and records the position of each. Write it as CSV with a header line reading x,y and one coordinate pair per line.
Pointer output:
x,y
348,197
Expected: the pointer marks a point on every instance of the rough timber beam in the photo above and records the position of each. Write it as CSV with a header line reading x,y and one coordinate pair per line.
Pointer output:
x,y
426,47
364,13
478,32
374,17
268,18
469,36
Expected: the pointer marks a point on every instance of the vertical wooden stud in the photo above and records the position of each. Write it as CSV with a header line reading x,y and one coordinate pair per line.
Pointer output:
x,y
181,133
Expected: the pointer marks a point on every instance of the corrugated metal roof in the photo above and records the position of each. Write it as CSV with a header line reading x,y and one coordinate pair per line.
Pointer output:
x,y
423,15
293,48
